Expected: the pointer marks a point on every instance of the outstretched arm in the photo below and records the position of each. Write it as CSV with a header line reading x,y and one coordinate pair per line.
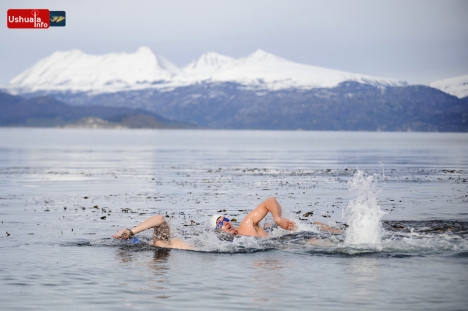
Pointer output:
x,y
249,225
152,222
161,235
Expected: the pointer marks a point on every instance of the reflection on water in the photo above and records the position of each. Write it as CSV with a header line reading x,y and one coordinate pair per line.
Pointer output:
x,y
161,255
160,265
159,268
139,266
270,264
124,256
363,279
268,278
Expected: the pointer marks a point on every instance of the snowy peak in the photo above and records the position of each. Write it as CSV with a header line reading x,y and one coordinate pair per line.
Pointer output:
x,y
259,69
208,64
457,86
211,59
75,71
144,51
260,56
267,71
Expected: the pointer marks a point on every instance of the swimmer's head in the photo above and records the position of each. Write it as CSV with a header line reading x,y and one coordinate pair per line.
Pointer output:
x,y
222,223
214,221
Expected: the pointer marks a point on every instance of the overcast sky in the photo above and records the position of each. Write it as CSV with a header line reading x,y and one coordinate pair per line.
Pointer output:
x,y
415,41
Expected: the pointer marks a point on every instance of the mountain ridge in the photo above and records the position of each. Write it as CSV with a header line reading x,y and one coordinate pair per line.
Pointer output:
x,y
45,111
259,91
349,106
76,71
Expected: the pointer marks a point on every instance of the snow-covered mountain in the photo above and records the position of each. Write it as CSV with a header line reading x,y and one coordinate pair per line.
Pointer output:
x,y
76,71
457,86
262,69
259,91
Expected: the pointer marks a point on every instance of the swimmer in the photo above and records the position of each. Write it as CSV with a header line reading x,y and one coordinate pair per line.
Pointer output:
x,y
248,227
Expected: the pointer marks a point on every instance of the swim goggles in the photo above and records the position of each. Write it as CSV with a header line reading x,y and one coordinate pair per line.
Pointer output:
x,y
221,223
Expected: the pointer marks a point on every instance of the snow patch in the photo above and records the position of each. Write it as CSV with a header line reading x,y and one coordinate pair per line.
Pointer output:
x,y
457,86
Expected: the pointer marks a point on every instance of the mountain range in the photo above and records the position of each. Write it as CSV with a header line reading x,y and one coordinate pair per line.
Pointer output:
x,y
75,71
44,111
260,91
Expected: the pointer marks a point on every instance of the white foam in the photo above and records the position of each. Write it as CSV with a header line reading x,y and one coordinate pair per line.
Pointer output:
x,y
363,213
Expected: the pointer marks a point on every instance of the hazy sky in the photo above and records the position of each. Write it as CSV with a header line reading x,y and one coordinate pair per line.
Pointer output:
x,y
416,41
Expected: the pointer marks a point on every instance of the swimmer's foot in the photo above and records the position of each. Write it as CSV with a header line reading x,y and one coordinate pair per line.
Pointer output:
x,y
286,224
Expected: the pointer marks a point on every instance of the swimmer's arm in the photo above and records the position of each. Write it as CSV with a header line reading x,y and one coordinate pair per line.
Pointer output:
x,y
260,231
145,225
254,217
175,243
326,228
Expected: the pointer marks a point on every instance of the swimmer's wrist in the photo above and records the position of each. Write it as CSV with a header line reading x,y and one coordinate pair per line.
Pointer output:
x,y
131,232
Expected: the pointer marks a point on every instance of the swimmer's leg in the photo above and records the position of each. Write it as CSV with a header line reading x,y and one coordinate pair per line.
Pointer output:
x,y
326,228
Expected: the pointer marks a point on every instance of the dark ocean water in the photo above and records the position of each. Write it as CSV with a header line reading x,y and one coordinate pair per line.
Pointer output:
x,y
402,199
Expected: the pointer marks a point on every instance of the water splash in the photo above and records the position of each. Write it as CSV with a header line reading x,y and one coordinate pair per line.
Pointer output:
x,y
363,213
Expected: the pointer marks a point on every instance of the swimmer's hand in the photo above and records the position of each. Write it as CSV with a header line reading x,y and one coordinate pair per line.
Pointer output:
x,y
286,224
123,234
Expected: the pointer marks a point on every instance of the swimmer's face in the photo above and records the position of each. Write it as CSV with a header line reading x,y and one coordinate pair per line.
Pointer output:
x,y
227,226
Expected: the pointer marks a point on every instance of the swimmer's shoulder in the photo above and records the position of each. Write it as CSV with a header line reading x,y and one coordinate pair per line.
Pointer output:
x,y
174,243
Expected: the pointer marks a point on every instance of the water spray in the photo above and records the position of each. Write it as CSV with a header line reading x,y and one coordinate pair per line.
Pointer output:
x,y
363,213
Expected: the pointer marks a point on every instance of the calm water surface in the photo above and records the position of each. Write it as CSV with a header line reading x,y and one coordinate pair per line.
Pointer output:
x,y
64,192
